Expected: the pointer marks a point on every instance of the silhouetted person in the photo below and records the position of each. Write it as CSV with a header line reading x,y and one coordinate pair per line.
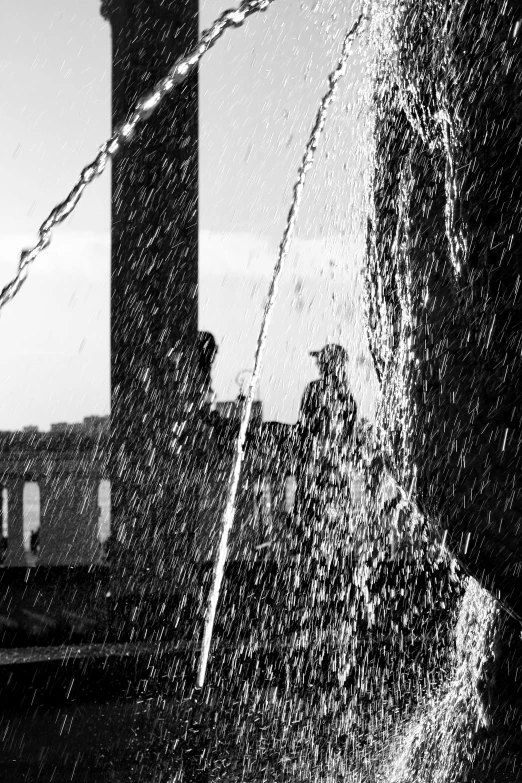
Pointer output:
x,y
195,459
206,355
324,435
319,574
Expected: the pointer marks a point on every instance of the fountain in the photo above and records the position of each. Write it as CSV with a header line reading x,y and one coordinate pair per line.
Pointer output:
x,y
333,665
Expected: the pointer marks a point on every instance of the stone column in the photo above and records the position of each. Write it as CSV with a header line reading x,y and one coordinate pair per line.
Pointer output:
x,y
15,555
69,519
154,305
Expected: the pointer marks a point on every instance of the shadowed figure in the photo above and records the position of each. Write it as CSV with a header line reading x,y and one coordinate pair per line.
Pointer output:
x,y
195,438
319,563
325,431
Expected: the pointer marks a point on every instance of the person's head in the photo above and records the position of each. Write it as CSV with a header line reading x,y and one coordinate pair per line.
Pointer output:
x,y
332,361
207,350
199,355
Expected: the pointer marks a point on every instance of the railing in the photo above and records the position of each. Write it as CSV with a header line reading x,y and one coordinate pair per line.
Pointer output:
x,y
66,467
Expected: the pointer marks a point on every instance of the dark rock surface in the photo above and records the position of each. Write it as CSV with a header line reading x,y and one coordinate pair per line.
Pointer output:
x,y
448,191
445,308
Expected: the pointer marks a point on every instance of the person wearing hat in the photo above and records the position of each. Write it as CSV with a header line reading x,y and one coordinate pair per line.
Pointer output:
x,y
320,566
325,430
327,419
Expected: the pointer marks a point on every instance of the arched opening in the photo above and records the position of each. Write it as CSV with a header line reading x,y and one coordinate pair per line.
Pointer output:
x,y
4,543
31,509
104,519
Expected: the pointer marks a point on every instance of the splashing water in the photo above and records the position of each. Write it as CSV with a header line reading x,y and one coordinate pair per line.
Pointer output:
x,y
432,746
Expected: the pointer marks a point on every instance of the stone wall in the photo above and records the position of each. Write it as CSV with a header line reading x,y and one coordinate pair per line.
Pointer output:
x,y
444,248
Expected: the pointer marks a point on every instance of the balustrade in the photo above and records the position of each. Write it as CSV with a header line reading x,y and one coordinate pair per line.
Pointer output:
x,y
67,469
70,520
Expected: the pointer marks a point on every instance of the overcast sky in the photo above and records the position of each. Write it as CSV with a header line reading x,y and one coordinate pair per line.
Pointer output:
x,y
259,91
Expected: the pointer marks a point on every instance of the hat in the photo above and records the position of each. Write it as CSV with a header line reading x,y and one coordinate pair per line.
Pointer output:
x,y
207,344
206,350
331,354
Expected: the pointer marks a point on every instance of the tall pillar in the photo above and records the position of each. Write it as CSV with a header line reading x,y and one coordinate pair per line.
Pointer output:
x,y
69,519
15,555
154,307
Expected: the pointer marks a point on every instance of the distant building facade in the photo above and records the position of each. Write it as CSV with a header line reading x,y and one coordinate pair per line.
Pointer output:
x,y
67,464
67,469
